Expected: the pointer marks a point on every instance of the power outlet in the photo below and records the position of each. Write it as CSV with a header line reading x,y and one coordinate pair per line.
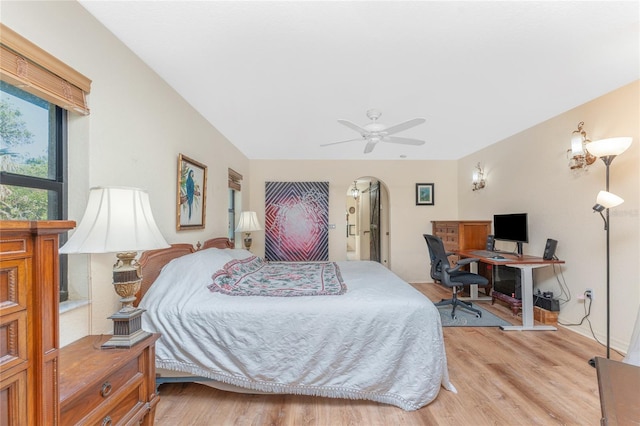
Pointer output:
x,y
588,293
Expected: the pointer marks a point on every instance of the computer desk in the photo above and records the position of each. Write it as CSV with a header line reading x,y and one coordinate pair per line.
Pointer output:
x,y
526,264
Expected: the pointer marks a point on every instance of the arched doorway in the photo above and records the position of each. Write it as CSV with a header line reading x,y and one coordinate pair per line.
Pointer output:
x,y
367,215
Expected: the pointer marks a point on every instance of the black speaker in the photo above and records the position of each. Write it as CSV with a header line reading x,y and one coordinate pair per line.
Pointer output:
x,y
549,249
491,243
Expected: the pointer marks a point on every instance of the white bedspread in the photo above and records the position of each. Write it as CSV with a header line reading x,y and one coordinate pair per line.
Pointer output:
x,y
380,341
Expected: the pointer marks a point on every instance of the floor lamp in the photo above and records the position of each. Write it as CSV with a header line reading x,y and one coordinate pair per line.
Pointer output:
x,y
607,150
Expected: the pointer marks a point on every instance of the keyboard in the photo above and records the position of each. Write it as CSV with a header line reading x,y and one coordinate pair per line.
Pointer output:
x,y
485,253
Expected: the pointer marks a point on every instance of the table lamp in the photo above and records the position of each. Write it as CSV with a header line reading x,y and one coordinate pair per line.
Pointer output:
x,y
247,224
119,220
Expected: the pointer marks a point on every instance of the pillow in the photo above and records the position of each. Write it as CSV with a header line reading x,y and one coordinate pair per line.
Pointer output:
x,y
191,271
239,254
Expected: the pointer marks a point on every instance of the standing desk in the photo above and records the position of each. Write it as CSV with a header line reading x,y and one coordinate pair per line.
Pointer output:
x,y
526,264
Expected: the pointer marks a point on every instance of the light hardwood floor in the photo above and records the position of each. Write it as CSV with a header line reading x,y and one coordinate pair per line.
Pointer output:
x,y
502,378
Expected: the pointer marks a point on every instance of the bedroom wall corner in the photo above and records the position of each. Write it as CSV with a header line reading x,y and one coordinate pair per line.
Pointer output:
x,y
528,172
408,251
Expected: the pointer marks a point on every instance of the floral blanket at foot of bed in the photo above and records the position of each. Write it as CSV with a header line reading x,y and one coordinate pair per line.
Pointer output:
x,y
255,277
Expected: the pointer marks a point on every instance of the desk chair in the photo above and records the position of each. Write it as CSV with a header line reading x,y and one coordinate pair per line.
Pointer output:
x,y
452,277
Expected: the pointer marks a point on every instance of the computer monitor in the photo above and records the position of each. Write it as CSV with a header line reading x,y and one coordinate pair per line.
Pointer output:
x,y
511,227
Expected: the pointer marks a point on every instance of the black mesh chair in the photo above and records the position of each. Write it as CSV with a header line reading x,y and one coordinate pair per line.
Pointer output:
x,y
452,277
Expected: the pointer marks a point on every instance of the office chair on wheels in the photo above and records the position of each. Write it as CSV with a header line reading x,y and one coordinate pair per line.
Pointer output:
x,y
452,277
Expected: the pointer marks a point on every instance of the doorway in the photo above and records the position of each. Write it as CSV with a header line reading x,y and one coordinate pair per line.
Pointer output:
x,y
367,218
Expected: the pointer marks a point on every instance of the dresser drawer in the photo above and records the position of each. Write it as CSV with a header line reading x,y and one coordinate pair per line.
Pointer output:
x,y
13,390
13,285
13,341
107,386
450,245
447,233
125,407
445,229
122,382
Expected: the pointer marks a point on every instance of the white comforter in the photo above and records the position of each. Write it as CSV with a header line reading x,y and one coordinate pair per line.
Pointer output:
x,y
381,340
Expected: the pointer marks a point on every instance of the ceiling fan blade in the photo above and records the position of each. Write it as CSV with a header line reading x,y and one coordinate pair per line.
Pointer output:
x,y
404,126
406,141
335,143
369,147
353,126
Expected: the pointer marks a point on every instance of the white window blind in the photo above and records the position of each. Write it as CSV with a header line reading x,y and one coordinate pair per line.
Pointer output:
x,y
25,65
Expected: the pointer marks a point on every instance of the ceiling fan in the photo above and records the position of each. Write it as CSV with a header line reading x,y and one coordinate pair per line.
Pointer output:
x,y
375,132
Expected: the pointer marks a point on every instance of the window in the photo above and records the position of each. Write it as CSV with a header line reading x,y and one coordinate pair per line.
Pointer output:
x,y
232,214
234,191
32,161
32,157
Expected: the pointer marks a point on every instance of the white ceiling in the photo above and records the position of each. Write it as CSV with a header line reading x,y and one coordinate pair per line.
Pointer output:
x,y
274,76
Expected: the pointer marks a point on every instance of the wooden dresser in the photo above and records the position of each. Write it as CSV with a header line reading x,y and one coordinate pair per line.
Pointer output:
x,y
107,386
464,235
29,300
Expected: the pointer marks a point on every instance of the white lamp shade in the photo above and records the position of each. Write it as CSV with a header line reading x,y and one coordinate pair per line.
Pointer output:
x,y
610,146
576,144
608,200
248,222
116,220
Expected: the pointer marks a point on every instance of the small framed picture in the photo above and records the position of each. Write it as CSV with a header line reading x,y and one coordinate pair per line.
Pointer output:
x,y
192,194
424,194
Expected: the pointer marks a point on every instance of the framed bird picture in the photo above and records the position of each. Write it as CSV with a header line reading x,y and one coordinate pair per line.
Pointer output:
x,y
192,194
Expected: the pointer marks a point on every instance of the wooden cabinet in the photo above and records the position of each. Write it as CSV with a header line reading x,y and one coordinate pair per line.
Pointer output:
x,y
464,235
107,386
29,295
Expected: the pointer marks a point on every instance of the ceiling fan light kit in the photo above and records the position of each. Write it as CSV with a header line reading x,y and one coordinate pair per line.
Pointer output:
x,y
375,132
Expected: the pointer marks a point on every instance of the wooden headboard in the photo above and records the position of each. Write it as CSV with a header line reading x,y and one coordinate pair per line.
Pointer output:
x,y
152,261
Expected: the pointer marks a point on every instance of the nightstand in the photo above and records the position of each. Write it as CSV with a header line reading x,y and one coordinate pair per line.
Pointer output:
x,y
107,386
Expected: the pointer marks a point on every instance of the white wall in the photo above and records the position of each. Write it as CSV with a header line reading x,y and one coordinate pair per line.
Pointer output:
x,y
407,222
137,127
528,172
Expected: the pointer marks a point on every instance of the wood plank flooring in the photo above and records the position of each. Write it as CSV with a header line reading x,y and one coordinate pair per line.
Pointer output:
x,y
502,378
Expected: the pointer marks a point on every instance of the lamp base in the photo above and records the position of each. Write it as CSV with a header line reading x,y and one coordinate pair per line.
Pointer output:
x,y
127,330
247,241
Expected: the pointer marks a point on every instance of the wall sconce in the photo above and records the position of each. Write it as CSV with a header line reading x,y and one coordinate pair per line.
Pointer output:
x,y
478,178
355,193
579,157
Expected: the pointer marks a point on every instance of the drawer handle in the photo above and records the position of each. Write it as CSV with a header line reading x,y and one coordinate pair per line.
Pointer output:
x,y
107,421
106,390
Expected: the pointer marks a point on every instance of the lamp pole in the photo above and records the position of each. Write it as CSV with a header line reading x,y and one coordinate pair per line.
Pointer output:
x,y
607,162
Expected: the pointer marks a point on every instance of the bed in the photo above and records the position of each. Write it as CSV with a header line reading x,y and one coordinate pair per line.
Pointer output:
x,y
380,340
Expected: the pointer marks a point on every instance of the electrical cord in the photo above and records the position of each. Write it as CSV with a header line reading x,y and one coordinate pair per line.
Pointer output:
x,y
587,309
587,312
564,288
